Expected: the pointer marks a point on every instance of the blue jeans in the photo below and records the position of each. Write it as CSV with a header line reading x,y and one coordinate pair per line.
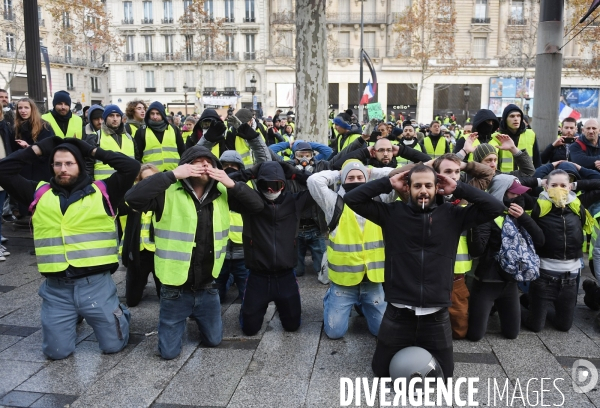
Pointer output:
x,y
338,303
176,305
95,299
314,241
234,270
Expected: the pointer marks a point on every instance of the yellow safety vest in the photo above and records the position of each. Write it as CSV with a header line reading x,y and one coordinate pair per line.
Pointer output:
x,y
595,231
74,129
145,242
351,252
505,159
175,232
133,128
165,156
348,140
401,160
440,148
186,134
236,227
107,142
241,146
84,236
463,262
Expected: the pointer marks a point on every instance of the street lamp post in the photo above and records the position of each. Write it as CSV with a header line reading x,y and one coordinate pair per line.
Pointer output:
x,y
185,90
526,107
253,90
467,95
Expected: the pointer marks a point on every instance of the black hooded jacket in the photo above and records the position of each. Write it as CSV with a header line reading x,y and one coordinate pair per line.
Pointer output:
x,y
149,195
140,134
504,129
484,134
196,134
117,184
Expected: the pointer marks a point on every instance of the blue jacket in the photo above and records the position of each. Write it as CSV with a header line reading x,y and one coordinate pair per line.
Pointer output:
x,y
325,152
584,157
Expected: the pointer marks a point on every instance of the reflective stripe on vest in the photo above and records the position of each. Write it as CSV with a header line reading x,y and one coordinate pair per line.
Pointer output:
x,y
165,156
440,148
241,146
84,236
175,232
463,261
505,158
103,171
74,129
236,227
145,242
351,252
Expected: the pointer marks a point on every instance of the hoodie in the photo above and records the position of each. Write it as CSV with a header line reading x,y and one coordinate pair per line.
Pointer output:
x,y
197,132
504,129
140,135
89,128
484,132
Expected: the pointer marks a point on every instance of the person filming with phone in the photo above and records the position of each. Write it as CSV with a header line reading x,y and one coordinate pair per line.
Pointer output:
x,y
557,150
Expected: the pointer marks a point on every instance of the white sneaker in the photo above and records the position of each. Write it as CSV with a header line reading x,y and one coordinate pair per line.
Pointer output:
x,y
4,251
2,258
3,239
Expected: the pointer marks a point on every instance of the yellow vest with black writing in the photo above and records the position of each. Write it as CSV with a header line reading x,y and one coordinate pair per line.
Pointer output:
x,y
440,148
84,236
351,252
145,242
75,128
505,159
107,142
165,156
175,232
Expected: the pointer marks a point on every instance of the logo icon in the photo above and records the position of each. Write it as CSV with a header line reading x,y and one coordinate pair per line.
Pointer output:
x,y
585,376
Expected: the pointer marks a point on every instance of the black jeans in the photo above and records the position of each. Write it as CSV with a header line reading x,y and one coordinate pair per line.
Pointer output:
x,y
484,295
262,289
401,328
137,278
544,293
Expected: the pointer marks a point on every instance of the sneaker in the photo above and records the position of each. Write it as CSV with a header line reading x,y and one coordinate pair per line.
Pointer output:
x,y
591,290
3,239
2,258
4,251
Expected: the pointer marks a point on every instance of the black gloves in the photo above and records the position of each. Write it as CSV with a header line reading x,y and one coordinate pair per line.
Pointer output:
x,y
245,131
48,144
215,132
293,173
84,147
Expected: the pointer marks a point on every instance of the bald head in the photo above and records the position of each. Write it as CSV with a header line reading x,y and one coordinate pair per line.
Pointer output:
x,y
590,131
383,151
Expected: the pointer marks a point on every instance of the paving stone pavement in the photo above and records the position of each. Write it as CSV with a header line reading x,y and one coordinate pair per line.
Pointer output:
x,y
271,369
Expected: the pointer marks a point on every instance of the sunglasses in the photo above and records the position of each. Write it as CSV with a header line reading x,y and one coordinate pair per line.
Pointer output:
x,y
270,186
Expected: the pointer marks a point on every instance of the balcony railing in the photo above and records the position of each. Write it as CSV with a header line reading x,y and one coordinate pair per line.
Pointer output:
x,y
208,19
150,89
170,89
210,88
283,17
354,18
517,21
95,90
249,19
219,56
477,20
167,20
70,88
343,53
249,56
230,19
131,90
147,21
158,56
229,89
372,52
127,21
8,15
282,53
129,57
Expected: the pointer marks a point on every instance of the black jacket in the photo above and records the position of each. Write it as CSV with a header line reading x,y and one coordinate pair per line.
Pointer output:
x,y
364,156
537,160
484,242
420,247
554,153
39,169
270,236
6,134
484,136
149,195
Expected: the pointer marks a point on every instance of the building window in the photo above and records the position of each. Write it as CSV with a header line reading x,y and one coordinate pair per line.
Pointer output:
x,y
148,18
209,46
169,46
129,50
149,79
209,78
186,5
229,45
229,11
70,86
10,42
148,45
95,84
127,12
189,78
68,54
169,79
8,10
479,48
250,53
130,79
40,14
66,20
189,47
517,13
230,78
208,9
168,11
249,11
481,9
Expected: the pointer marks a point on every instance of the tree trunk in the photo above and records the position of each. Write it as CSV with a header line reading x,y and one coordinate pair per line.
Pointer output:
x,y
312,84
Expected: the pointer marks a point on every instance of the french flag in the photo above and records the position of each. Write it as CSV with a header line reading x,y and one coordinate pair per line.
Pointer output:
x,y
367,94
565,111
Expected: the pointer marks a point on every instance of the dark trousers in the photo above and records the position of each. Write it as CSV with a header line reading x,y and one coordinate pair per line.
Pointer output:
x,y
545,293
137,278
401,328
484,295
262,289
233,270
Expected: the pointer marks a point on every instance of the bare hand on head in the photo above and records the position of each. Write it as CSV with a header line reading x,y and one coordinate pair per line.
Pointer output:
x,y
556,163
446,185
515,210
399,181
220,176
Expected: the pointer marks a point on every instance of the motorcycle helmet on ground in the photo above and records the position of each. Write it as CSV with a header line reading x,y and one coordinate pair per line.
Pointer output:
x,y
412,362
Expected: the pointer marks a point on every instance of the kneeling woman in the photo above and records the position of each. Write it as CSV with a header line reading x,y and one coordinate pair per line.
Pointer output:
x,y
492,287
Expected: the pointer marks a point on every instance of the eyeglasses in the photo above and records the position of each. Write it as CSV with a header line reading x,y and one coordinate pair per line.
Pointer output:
x,y
58,165
385,150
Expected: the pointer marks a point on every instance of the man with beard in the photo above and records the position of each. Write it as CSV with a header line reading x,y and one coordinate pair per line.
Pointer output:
x,y
191,226
94,119
159,142
62,120
9,115
111,136
419,267
557,150
75,240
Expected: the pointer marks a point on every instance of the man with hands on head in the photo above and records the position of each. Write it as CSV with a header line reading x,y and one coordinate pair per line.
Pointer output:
x,y
75,240
419,267
191,226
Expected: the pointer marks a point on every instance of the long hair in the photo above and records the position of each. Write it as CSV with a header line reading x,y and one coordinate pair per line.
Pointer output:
x,y
37,124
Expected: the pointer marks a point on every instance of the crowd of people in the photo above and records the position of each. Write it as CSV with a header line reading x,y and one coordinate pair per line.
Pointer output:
x,y
395,217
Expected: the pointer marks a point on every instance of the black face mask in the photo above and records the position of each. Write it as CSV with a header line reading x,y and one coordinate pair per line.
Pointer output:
x,y
520,201
230,170
351,186
485,128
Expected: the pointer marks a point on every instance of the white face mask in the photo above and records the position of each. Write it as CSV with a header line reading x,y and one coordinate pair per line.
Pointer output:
x,y
272,196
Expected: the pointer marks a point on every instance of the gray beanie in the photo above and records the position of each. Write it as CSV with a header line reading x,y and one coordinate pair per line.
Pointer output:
x,y
232,156
353,164
244,115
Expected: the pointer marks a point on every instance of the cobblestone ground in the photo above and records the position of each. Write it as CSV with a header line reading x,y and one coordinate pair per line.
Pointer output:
x,y
271,369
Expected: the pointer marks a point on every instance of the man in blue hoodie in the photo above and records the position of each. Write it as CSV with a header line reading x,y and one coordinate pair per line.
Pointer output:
x,y
512,124
159,142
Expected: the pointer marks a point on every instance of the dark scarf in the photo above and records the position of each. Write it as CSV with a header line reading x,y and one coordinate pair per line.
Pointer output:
x,y
158,126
